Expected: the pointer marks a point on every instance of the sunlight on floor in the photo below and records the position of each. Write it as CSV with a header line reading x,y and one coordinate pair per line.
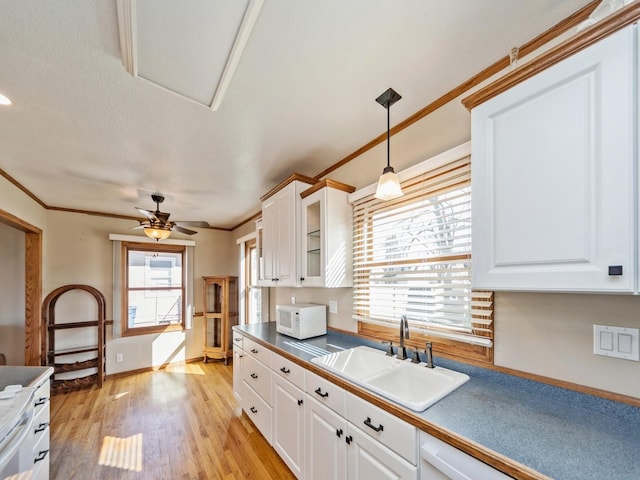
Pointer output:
x,y
188,368
124,453
28,475
120,395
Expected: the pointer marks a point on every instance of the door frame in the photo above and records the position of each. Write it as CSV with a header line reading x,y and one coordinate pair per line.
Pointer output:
x,y
32,284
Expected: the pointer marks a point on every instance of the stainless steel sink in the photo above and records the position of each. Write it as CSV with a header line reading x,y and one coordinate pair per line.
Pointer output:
x,y
411,385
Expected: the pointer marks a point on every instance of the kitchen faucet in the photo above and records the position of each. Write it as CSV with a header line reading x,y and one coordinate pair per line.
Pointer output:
x,y
404,333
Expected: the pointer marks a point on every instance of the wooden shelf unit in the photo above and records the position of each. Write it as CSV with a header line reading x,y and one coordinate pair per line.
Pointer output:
x,y
220,312
52,357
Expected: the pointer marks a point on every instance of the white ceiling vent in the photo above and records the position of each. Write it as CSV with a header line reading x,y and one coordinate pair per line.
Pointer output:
x,y
190,48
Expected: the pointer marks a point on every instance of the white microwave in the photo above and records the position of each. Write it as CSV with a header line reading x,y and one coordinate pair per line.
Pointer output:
x,y
301,320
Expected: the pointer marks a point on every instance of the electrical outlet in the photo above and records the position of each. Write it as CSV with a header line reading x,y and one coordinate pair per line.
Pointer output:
x,y
119,357
293,300
333,306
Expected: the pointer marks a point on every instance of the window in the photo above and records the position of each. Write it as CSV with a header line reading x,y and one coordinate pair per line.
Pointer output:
x,y
254,293
412,256
153,290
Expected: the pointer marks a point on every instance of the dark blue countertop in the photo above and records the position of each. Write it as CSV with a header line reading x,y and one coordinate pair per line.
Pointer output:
x,y
557,432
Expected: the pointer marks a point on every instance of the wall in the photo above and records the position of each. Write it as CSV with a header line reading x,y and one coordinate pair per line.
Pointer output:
x,y
12,295
79,251
545,334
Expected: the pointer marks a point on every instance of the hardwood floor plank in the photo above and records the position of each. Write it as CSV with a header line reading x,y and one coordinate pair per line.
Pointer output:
x,y
179,423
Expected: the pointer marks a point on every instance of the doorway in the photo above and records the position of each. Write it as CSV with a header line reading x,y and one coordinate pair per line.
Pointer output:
x,y
32,284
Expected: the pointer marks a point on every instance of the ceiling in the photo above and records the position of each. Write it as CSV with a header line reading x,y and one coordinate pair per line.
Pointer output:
x,y
82,133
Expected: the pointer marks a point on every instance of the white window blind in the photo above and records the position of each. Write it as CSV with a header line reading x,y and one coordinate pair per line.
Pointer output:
x,y
412,256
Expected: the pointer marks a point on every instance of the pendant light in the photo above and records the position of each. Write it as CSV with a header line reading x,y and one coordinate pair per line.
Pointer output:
x,y
388,185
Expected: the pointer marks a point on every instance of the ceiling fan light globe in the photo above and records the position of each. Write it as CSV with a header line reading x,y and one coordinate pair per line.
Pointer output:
x,y
388,185
157,233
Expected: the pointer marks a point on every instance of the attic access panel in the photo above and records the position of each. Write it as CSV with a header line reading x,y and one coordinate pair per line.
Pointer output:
x,y
190,48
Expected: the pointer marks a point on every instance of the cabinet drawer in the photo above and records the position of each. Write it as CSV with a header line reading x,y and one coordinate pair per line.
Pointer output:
x,y
41,450
287,369
258,411
41,397
238,339
326,392
40,426
257,351
389,430
257,376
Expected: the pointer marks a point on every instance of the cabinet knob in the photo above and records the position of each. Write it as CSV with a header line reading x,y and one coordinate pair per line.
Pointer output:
x,y
339,432
300,402
302,279
348,439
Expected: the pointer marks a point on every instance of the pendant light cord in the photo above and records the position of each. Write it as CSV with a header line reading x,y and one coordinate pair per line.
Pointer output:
x,y
388,135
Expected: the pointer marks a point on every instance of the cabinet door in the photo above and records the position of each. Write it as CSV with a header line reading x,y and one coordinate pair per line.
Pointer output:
x,y
269,239
370,460
279,237
288,424
326,239
326,455
286,228
552,178
312,248
238,357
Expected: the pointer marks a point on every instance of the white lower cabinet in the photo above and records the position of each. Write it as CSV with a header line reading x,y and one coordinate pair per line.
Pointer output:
x,y
238,357
288,424
322,432
259,411
368,459
256,390
338,449
326,453
40,432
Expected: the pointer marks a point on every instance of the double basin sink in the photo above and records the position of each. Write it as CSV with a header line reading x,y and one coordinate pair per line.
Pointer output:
x,y
412,385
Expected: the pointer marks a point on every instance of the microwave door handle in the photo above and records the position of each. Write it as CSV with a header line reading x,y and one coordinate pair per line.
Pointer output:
x,y
16,441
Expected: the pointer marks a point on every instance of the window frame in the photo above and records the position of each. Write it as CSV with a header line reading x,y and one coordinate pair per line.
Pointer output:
x,y
126,247
388,329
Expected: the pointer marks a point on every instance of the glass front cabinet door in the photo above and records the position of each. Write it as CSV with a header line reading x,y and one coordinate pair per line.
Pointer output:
x,y
220,313
326,232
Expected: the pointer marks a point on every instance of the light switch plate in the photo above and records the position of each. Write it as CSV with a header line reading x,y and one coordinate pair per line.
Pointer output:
x,y
618,342
333,306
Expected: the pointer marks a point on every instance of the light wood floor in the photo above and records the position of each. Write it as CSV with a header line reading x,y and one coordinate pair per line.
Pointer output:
x,y
180,423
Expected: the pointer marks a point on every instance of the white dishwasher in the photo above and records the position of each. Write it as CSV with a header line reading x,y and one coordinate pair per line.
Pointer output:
x,y
441,461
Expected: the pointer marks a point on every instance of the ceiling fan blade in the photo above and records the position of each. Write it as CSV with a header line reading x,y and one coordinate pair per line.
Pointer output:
x,y
184,230
147,213
138,227
163,217
192,224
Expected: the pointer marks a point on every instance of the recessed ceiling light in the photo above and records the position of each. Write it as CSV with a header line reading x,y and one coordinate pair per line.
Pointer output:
x,y
4,100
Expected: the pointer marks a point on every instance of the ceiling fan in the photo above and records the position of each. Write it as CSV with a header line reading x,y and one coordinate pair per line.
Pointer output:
x,y
157,224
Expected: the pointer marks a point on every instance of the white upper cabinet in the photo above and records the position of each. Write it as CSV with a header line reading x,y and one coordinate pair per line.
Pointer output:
x,y
554,176
280,224
326,235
